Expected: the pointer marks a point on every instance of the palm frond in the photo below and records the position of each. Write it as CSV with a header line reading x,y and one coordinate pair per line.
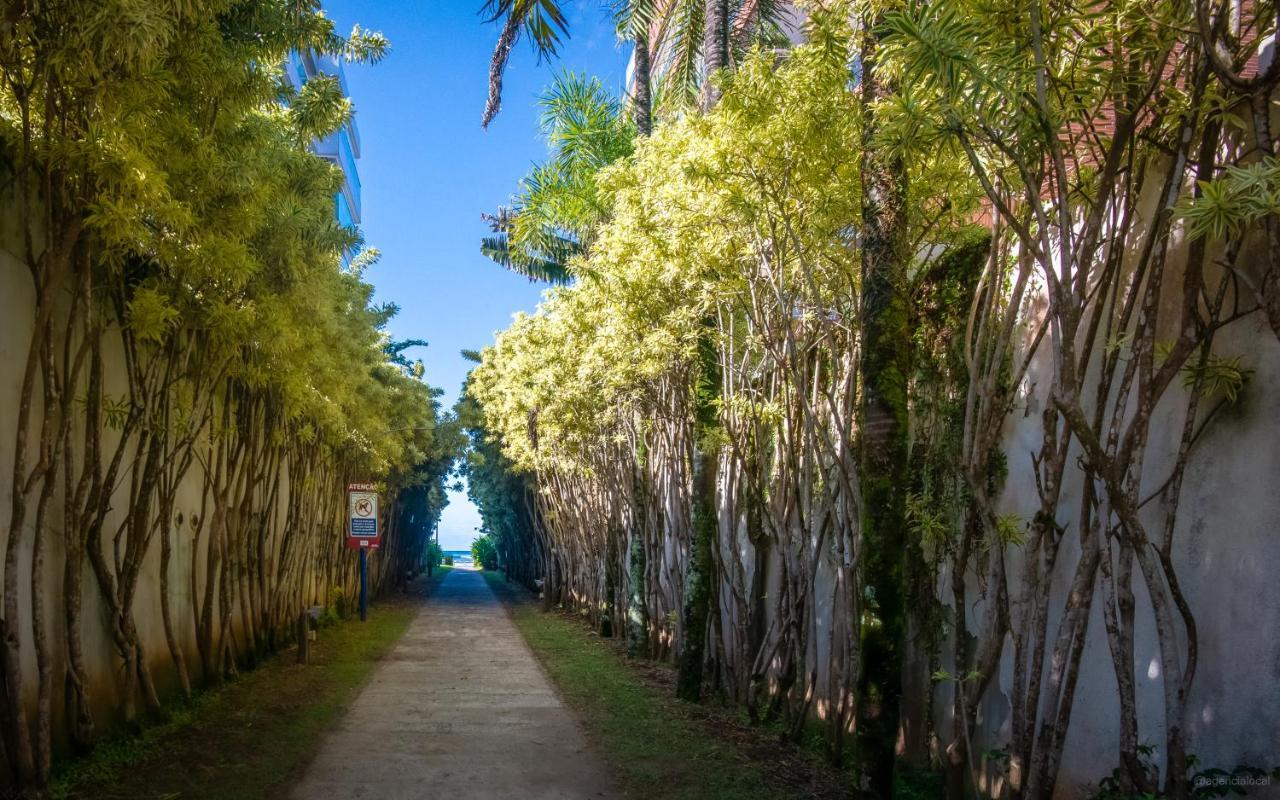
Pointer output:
x,y
542,20
682,69
548,266
759,23
631,16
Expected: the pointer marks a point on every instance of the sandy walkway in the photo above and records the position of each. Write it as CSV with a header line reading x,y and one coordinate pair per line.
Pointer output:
x,y
460,709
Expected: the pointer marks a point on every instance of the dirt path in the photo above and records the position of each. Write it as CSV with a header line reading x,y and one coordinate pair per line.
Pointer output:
x,y
460,709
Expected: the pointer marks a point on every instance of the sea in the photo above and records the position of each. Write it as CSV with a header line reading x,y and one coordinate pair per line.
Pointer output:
x,y
461,558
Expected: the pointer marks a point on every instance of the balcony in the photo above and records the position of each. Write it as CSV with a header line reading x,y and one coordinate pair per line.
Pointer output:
x,y
336,147
341,147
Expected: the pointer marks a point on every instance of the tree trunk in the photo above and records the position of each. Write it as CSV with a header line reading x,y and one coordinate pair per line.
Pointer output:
x,y
637,613
706,461
642,97
166,557
715,49
885,349
706,458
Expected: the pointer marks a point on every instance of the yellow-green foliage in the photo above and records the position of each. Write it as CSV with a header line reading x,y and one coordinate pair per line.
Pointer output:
x,y
692,215
206,213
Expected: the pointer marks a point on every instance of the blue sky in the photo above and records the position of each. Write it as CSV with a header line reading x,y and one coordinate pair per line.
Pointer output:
x,y
428,170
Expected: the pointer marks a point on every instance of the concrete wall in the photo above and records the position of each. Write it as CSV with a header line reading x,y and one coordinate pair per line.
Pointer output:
x,y
1226,555
328,562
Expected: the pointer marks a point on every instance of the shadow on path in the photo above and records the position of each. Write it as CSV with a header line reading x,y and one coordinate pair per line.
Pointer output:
x,y
461,710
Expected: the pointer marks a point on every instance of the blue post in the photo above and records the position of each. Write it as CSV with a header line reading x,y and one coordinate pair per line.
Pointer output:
x,y
364,583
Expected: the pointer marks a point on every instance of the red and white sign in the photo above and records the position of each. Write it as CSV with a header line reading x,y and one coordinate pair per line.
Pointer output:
x,y
364,527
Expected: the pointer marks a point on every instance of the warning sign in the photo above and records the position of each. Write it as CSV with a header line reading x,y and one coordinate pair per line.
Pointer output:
x,y
362,515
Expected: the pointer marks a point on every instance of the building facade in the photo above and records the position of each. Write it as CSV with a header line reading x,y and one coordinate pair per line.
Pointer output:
x,y
341,147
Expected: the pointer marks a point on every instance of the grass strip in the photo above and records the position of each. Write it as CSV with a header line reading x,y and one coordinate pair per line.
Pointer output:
x,y
656,751
243,740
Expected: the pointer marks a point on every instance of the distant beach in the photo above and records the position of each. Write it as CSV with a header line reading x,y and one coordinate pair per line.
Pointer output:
x,y
461,558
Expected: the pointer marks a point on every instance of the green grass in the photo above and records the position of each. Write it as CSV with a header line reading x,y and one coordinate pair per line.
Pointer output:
x,y
655,749
247,738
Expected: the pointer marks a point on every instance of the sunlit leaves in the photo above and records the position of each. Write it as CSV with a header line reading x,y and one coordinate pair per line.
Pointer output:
x,y
319,107
150,315
366,46
211,225
1218,376
1243,196
1008,92
936,43
559,204
686,219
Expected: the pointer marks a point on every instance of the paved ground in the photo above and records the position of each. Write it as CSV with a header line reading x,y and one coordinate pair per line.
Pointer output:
x,y
460,710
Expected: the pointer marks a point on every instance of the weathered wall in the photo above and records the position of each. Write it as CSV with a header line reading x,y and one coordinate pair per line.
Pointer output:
x,y
1225,555
1227,562
330,565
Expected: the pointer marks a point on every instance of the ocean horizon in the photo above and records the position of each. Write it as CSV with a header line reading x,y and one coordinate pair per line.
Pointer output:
x,y
459,556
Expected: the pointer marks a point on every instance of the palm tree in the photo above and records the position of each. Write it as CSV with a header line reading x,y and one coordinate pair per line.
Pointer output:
x,y
678,38
635,19
669,37
548,267
715,49
558,208
544,23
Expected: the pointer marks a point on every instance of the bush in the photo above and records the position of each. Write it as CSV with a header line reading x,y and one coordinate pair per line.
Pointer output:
x,y
448,561
918,783
339,603
484,552
434,556
1205,784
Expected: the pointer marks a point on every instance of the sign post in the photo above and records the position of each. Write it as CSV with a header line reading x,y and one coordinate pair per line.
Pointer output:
x,y
362,532
364,584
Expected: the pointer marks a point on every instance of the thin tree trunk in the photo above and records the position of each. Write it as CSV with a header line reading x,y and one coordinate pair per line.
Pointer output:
x,y
715,49
166,557
642,97
885,344
706,457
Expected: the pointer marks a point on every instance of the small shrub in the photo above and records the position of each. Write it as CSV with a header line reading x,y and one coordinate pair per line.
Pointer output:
x,y
434,555
341,604
917,783
1205,783
484,552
